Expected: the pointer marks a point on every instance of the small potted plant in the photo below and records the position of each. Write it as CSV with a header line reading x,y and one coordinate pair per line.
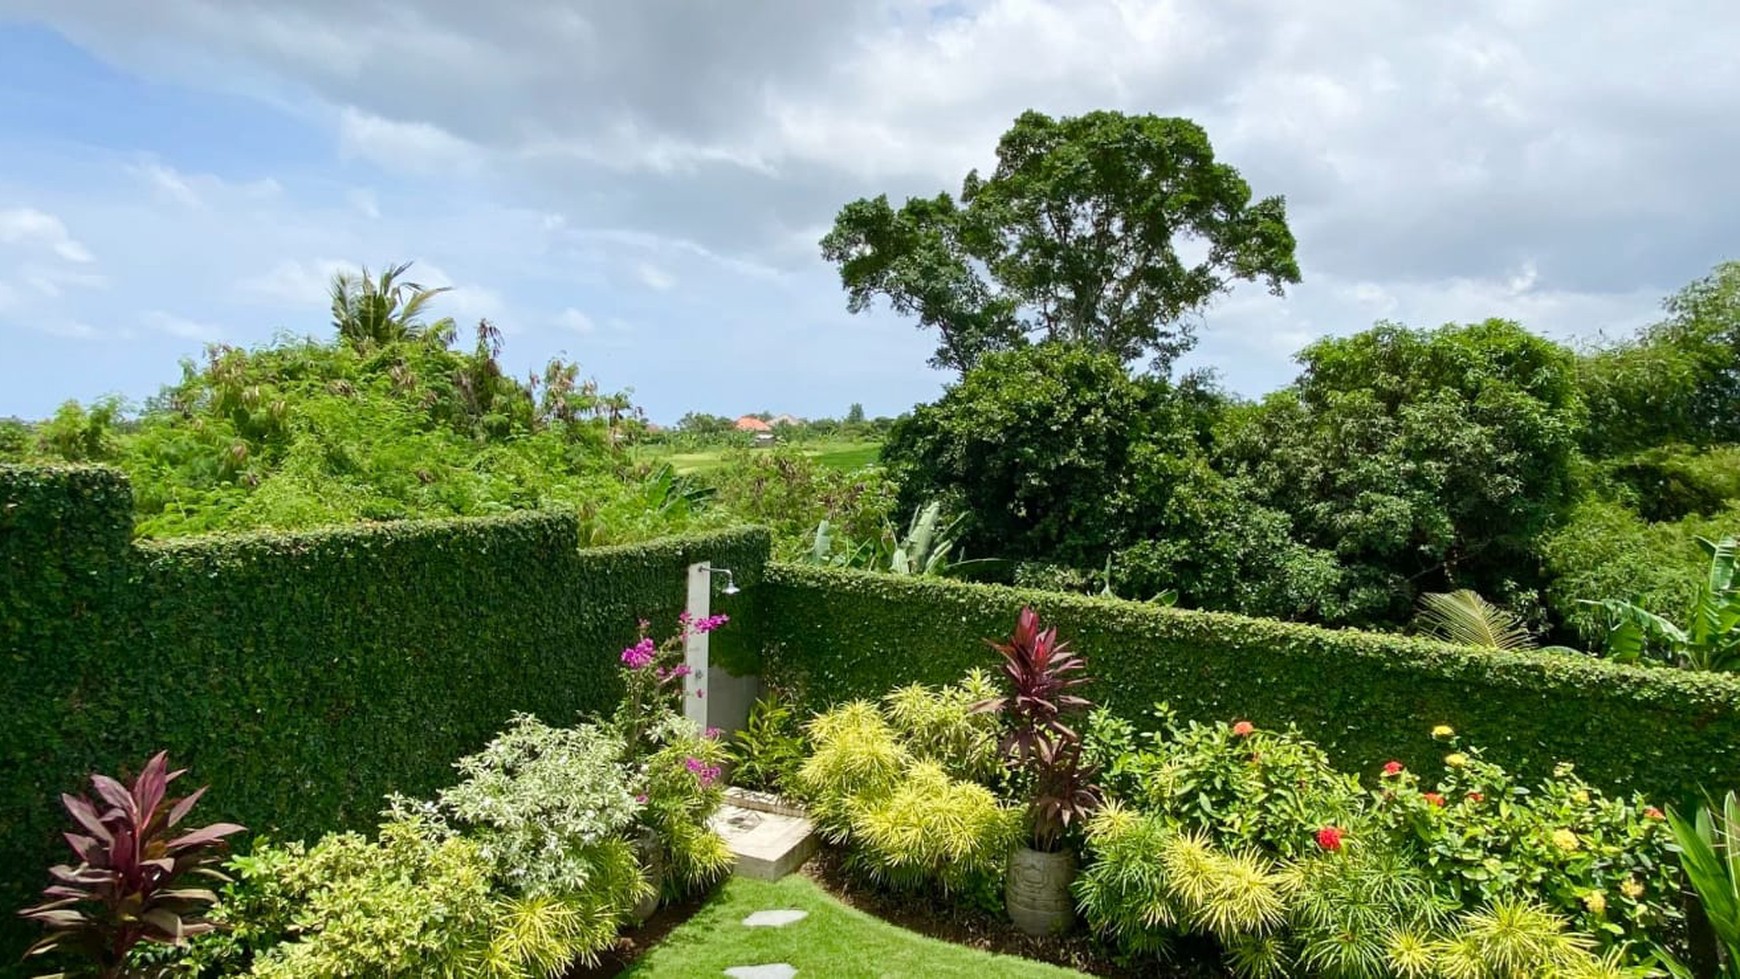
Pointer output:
x,y
1044,753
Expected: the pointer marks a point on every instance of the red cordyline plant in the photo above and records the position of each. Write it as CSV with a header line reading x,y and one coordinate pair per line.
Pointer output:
x,y
132,880
1042,670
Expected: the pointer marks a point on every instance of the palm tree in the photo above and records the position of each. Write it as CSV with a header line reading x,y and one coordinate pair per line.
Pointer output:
x,y
371,312
1710,640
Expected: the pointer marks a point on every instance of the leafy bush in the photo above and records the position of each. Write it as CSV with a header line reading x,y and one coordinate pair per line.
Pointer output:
x,y
1485,837
1242,786
932,828
680,790
135,879
540,803
909,823
1707,844
939,724
767,753
1710,639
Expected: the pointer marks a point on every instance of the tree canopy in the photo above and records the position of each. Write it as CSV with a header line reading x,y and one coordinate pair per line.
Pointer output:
x,y
1104,229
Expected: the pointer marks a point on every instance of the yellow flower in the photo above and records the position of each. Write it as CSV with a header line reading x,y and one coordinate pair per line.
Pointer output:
x,y
1565,840
1596,902
1443,732
1580,797
1456,759
1631,888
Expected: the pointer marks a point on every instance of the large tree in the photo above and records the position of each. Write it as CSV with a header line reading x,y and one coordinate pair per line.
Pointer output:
x,y
1105,230
1427,460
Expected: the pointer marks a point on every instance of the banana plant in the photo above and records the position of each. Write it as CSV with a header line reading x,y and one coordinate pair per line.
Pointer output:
x,y
1710,640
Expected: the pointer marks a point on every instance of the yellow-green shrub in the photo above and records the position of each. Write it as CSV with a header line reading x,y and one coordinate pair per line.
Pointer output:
x,y
933,829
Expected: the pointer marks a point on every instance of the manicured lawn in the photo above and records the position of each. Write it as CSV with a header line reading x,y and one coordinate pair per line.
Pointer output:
x,y
835,941
845,456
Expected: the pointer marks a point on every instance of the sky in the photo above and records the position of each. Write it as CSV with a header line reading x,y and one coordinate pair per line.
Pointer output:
x,y
641,186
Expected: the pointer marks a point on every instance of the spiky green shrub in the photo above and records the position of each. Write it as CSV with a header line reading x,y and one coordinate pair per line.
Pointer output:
x,y
938,724
1514,939
908,822
856,757
933,829
1148,881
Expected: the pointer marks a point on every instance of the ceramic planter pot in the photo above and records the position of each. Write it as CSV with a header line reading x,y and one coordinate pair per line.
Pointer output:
x,y
1037,891
652,860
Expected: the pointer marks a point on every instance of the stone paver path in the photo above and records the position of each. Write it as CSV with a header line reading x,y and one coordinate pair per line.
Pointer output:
x,y
779,970
774,919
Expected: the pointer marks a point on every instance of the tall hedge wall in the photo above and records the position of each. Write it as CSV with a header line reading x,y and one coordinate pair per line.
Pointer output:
x,y
302,675
835,635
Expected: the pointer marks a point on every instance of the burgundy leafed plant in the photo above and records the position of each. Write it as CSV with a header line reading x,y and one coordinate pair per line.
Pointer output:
x,y
1042,670
1038,666
132,882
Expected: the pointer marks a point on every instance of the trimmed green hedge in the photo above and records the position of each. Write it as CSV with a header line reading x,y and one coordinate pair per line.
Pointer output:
x,y
1366,697
302,675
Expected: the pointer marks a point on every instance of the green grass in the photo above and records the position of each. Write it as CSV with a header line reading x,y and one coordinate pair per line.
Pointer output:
x,y
834,941
842,455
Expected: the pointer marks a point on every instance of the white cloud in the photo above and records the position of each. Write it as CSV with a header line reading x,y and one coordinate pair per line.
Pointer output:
x,y
199,190
572,319
182,327
365,203
655,277
28,226
296,283
408,147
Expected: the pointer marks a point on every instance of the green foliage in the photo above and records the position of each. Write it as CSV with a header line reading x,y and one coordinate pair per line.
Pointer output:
x,y
1710,639
832,635
1485,837
1240,786
767,753
790,493
1678,381
540,801
1672,482
938,724
933,829
1707,844
303,675
682,787
1076,232
909,822
1605,550
1423,459
375,311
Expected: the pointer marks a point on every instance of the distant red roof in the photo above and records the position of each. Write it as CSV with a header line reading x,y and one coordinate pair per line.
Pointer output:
x,y
750,423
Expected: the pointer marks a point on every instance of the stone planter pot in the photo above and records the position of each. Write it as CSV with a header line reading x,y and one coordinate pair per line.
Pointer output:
x,y
652,860
1037,891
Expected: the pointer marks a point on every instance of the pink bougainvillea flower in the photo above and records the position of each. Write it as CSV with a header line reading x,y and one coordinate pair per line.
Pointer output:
x,y
1434,798
1392,767
640,655
1243,728
1330,837
641,798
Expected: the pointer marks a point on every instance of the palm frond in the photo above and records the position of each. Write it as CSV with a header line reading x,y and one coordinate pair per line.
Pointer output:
x,y
1464,618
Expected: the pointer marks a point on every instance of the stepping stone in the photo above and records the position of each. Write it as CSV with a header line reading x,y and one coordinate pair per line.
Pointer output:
x,y
778,970
774,919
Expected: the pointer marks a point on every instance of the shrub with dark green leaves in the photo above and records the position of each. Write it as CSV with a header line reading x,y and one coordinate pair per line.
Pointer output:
x,y
767,753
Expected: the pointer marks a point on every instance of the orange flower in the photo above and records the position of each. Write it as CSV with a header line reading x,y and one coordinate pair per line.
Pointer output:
x,y
1242,728
1475,797
1434,798
1651,812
